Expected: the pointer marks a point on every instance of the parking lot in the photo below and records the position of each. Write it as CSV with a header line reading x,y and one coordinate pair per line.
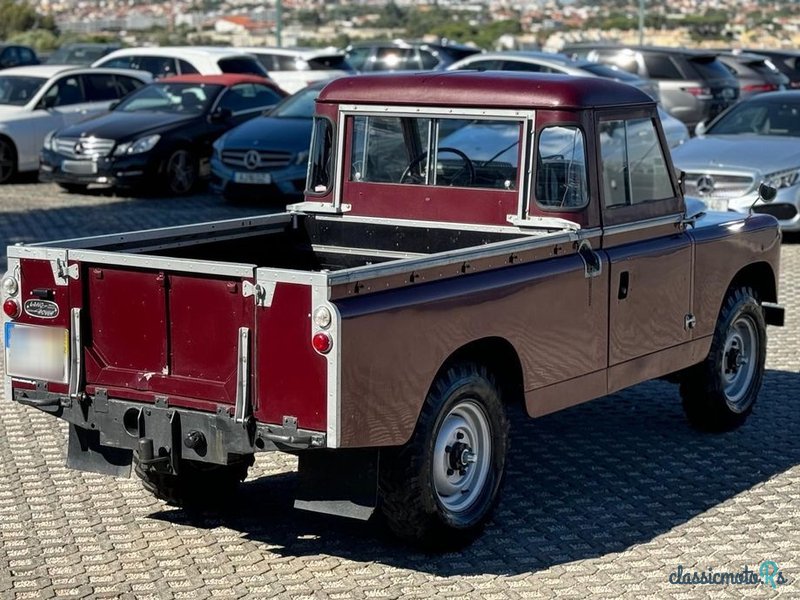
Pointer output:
x,y
603,500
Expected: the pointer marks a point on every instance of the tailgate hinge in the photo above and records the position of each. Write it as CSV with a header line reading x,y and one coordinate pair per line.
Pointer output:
x,y
262,293
62,271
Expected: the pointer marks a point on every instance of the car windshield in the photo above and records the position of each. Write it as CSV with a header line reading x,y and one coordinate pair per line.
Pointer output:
x,y
300,104
609,72
186,98
17,91
761,117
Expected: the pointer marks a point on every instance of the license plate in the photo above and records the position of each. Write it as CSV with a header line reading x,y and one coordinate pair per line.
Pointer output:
x,y
258,178
36,352
79,167
718,204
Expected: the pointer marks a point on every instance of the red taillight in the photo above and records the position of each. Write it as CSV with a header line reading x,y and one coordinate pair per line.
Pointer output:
x,y
322,343
761,87
11,308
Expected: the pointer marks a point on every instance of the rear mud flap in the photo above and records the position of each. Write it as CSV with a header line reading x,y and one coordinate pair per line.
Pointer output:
x,y
338,482
86,454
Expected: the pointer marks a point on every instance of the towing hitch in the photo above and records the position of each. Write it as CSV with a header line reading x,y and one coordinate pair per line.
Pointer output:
x,y
149,461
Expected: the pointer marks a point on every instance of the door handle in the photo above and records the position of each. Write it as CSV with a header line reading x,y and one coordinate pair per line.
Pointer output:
x,y
624,283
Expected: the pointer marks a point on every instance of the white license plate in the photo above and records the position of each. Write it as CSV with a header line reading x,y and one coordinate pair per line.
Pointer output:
x,y
719,204
258,178
36,352
79,167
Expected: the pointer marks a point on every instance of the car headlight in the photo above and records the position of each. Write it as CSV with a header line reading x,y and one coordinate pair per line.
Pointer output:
x,y
48,140
782,179
139,146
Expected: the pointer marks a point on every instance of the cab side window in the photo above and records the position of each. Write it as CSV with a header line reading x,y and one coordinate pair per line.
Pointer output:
x,y
634,169
561,178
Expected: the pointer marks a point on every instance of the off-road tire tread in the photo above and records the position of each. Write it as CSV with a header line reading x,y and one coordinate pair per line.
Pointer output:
x,y
193,488
702,398
401,484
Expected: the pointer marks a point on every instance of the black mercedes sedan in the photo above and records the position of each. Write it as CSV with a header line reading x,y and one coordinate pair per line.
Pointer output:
x,y
159,136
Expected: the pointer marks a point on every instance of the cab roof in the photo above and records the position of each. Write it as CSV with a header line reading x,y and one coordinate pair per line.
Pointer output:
x,y
485,89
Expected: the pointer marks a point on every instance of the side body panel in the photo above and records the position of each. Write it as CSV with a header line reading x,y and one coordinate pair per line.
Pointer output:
x,y
393,343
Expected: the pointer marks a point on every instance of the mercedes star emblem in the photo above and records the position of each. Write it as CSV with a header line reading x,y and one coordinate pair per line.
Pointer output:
x,y
705,185
252,160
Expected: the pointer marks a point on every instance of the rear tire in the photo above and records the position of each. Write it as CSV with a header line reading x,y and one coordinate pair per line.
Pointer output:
x,y
440,488
719,393
197,485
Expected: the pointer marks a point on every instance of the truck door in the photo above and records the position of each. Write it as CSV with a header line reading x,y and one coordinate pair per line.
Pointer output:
x,y
650,254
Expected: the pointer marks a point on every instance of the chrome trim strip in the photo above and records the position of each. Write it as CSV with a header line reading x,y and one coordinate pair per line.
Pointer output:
x,y
242,376
365,251
238,227
204,267
638,225
421,111
76,351
333,418
451,257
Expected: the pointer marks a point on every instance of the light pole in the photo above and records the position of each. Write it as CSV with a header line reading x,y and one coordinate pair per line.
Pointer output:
x,y
641,22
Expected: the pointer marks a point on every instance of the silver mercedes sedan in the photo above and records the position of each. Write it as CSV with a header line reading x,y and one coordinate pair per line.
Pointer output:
x,y
754,141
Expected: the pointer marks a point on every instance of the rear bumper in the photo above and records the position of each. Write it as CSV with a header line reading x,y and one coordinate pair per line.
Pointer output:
x,y
175,433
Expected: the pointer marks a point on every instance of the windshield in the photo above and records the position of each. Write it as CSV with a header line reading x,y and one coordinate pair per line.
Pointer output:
x,y
300,104
609,72
186,98
761,117
17,91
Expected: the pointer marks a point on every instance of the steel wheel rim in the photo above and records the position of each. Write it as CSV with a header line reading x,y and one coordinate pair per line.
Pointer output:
x,y
181,175
739,358
6,162
462,456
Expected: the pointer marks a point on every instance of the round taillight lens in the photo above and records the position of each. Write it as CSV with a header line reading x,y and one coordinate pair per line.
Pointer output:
x,y
322,343
11,308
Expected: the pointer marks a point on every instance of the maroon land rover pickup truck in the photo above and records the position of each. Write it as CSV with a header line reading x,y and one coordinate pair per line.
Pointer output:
x,y
467,241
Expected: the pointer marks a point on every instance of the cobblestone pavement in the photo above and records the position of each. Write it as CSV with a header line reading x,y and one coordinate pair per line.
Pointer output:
x,y
604,500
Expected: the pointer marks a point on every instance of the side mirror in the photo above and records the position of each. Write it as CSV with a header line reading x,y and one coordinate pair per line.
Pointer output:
x,y
221,115
767,193
48,102
700,129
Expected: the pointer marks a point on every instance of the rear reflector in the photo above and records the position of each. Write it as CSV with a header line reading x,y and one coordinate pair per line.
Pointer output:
x,y
322,343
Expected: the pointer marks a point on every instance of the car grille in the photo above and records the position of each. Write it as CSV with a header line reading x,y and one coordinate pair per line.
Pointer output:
x,y
267,159
83,148
782,212
705,185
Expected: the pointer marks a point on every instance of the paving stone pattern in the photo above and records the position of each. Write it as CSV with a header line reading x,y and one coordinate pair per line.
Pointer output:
x,y
604,500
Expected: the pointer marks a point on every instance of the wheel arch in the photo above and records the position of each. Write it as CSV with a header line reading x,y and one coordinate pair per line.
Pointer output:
x,y
500,358
760,277
5,137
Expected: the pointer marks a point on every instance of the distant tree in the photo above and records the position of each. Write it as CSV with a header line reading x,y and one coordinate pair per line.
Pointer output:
x,y
20,16
42,40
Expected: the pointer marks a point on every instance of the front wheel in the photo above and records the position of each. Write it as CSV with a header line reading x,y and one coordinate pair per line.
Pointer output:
x,y
440,488
8,160
719,393
181,171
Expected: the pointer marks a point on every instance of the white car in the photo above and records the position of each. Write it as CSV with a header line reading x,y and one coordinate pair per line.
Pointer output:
x,y
38,99
164,61
295,68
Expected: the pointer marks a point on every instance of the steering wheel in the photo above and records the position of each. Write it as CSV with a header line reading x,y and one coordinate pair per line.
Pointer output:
x,y
409,175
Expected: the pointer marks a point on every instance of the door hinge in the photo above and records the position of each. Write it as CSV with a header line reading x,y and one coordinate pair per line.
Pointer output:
x,y
261,292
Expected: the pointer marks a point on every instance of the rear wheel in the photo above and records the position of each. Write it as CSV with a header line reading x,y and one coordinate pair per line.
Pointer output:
x,y
197,485
440,488
8,160
719,393
181,171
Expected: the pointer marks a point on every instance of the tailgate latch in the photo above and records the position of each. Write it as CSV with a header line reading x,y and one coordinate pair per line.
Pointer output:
x,y
261,292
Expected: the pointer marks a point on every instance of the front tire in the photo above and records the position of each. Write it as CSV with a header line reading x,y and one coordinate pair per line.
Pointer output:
x,y
181,171
719,393
8,160
440,488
